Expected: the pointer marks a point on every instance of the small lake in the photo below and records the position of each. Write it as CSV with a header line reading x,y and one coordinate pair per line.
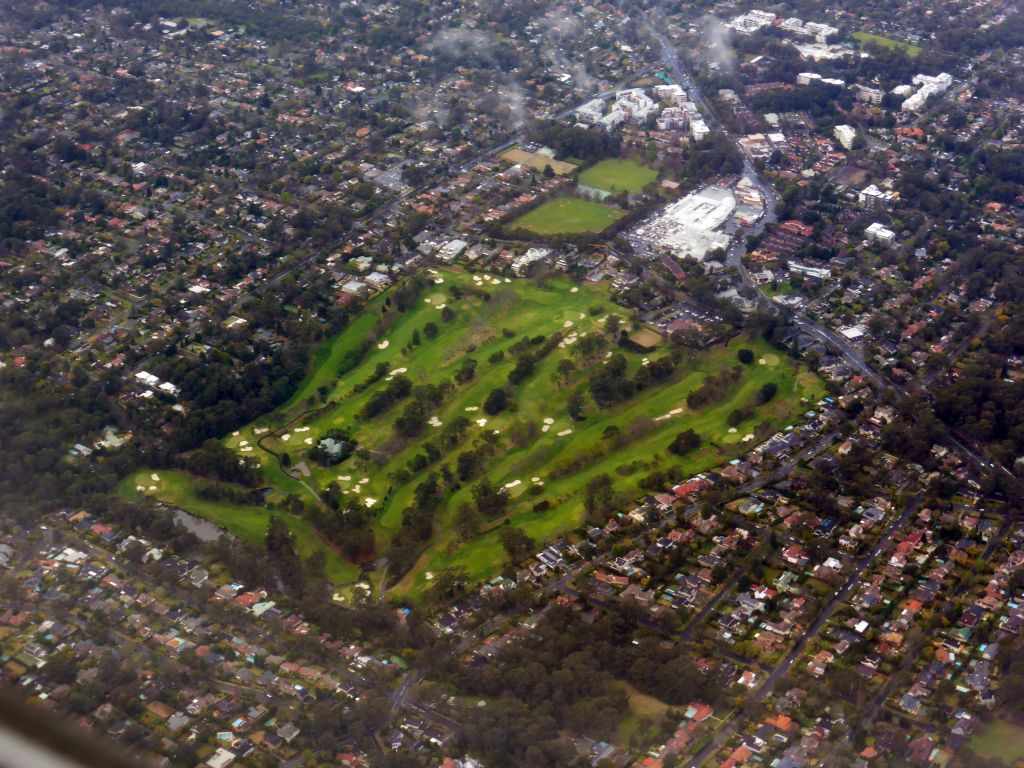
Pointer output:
x,y
202,529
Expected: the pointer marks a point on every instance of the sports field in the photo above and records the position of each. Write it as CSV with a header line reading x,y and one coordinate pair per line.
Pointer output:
x,y
886,42
618,176
537,162
533,448
568,216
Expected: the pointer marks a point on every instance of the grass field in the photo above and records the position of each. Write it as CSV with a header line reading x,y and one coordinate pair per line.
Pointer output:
x,y
886,42
537,162
641,707
618,176
248,523
999,739
568,216
784,288
539,453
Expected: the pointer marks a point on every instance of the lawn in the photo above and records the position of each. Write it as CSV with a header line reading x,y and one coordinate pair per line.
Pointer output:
x,y
886,42
249,523
618,176
533,448
568,216
641,706
783,288
999,739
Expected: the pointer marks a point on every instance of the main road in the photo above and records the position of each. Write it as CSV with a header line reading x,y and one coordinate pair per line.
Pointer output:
x,y
805,323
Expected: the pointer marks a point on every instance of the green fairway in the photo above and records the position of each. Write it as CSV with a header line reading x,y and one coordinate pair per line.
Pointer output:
x,y
568,216
886,42
484,556
999,739
618,176
532,448
248,523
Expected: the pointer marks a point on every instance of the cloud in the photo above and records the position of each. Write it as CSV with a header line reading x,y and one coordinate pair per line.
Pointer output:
x,y
717,46
456,41
560,27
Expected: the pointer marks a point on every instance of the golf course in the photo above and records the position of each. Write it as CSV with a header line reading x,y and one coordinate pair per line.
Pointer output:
x,y
457,382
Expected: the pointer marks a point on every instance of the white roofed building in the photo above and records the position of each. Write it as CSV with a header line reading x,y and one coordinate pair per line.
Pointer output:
x,y
690,228
845,134
591,112
636,105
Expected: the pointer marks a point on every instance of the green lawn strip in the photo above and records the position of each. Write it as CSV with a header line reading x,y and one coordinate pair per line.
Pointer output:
x,y
886,42
329,355
568,216
618,176
248,523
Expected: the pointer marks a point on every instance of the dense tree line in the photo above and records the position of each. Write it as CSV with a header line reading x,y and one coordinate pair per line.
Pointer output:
x,y
985,405
610,383
817,98
714,387
570,141
564,677
218,462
